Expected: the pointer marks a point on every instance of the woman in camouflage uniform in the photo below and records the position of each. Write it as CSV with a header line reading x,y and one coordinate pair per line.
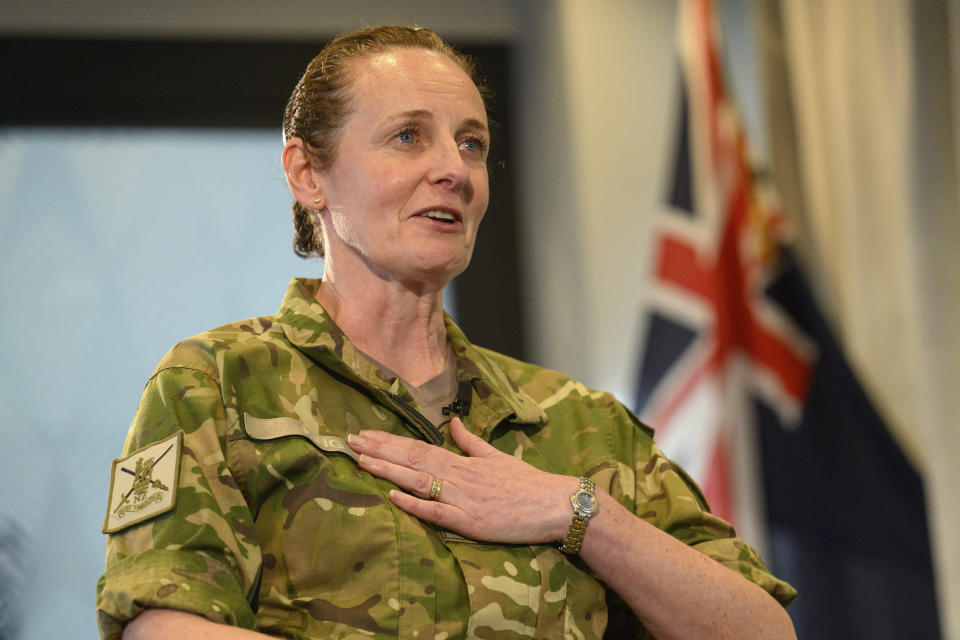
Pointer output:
x,y
304,475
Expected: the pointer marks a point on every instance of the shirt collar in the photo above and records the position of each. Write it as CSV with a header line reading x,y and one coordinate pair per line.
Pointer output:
x,y
308,327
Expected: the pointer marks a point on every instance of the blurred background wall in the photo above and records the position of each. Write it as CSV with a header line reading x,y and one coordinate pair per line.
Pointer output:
x,y
115,243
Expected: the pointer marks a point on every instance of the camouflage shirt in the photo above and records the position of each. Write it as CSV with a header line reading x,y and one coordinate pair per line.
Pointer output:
x,y
237,498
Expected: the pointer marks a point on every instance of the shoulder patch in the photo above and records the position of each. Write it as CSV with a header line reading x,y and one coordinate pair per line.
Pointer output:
x,y
144,484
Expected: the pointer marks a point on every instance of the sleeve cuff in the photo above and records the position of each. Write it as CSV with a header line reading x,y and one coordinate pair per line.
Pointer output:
x,y
737,555
167,579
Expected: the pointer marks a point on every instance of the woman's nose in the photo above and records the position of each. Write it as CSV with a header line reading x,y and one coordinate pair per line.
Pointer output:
x,y
449,166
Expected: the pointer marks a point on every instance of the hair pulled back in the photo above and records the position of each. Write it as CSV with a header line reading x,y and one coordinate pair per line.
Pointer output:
x,y
319,106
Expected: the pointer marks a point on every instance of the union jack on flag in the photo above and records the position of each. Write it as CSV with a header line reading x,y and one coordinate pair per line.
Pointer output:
x,y
715,341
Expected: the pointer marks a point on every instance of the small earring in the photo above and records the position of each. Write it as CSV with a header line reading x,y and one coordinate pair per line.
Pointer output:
x,y
316,200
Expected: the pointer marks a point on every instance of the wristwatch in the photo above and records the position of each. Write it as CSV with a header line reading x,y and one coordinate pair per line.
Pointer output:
x,y
585,506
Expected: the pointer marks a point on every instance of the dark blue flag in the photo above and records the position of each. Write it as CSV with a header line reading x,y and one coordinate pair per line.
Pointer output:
x,y
748,390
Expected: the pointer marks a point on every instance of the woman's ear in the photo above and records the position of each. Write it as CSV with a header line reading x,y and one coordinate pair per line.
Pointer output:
x,y
302,177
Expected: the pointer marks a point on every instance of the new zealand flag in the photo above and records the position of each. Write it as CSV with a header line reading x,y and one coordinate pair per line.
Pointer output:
x,y
748,390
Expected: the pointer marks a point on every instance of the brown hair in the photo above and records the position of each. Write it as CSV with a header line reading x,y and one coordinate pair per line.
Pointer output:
x,y
319,106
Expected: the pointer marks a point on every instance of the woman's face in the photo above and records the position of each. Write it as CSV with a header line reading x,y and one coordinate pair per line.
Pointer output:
x,y
408,187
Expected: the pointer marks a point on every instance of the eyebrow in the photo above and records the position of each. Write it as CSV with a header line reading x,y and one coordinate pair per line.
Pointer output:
x,y
423,114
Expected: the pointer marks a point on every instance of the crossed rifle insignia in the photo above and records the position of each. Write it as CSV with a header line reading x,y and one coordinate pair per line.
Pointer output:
x,y
142,480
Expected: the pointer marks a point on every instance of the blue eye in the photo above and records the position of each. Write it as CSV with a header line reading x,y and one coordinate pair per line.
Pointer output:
x,y
473,145
406,137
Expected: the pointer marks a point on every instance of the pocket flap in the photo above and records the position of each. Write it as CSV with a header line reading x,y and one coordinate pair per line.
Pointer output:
x,y
284,426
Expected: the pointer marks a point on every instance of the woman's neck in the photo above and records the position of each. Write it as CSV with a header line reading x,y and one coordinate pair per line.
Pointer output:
x,y
397,325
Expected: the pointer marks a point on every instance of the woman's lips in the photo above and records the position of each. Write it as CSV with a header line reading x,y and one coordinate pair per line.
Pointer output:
x,y
442,216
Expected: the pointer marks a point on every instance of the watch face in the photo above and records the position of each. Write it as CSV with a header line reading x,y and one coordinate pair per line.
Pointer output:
x,y
584,503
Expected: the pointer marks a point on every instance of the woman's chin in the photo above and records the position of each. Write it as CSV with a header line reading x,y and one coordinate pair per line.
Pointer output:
x,y
436,271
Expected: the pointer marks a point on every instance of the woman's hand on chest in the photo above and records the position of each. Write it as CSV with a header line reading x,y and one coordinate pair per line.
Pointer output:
x,y
485,494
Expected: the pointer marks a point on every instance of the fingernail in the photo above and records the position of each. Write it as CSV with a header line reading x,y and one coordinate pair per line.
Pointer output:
x,y
354,439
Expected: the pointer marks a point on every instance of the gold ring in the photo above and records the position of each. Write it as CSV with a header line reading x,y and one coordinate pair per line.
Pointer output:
x,y
435,489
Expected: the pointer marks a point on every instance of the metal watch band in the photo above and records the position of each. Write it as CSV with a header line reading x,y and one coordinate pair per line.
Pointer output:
x,y
585,506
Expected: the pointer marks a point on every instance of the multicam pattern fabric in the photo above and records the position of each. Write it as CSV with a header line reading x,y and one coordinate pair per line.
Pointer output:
x,y
277,529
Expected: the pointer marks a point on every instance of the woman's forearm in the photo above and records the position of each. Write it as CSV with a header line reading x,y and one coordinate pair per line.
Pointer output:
x,y
162,624
676,591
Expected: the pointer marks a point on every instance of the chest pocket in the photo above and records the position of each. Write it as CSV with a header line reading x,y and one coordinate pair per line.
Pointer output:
x,y
305,491
299,468
521,591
